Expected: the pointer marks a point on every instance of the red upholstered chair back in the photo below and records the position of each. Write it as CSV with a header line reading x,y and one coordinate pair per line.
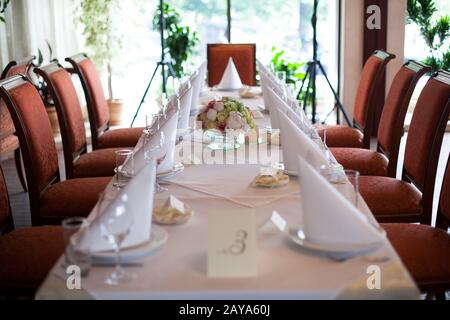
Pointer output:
x,y
443,217
6,222
13,68
364,109
244,57
35,133
425,136
17,67
68,107
394,111
95,97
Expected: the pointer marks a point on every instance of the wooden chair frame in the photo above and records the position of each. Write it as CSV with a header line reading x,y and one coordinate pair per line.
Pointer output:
x,y
370,110
419,69
34,192
28,63
216,45
69,157
96,132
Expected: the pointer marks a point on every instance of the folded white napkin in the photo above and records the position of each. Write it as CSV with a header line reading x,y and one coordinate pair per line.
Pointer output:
x,y
295,143
262,68
170,134
328,217
197,85
185,108
269,103
230,79
137,199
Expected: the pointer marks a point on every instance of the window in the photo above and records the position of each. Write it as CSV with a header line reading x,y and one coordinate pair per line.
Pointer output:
x,y
268,23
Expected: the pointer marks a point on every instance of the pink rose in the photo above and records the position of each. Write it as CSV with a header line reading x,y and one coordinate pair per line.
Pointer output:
x,y
235,121
219,106
212,114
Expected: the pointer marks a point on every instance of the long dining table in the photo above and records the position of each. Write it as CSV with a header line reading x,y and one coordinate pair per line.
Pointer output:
x,y
178,270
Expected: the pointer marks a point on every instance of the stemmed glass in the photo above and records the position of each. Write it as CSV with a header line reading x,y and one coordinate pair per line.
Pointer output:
x,y
124,167
155,147
115,227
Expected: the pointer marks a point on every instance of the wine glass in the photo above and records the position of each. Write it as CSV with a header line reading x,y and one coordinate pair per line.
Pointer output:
x,y
350,190
155,147
281,76
124,167
115,228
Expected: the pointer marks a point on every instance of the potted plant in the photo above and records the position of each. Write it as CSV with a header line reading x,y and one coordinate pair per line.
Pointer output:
x,y
293,70
436,32
3,6
180,40
103,41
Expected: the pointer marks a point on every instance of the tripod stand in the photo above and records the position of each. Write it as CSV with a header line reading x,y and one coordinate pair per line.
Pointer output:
x,y
311,74
161,64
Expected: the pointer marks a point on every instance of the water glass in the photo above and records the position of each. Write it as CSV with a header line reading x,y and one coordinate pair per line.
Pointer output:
x,y
124,167
73,229
281,76
155,147
350,190
115,228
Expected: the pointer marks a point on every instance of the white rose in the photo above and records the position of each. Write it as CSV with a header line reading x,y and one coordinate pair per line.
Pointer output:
x,y
219,106
211,115
235,121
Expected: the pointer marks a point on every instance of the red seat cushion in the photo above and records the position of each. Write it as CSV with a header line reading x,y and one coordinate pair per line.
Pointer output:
x,y
391,200
424,250
6,124
342,136
27,255
367,162
120,138
72,198
98,163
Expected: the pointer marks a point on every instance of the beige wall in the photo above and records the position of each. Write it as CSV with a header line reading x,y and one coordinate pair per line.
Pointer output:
x,y
351,51
396,38
352,45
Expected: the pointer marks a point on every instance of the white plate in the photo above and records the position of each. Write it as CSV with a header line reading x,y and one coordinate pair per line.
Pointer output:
x,y
178,167
335,250
158,238
291,173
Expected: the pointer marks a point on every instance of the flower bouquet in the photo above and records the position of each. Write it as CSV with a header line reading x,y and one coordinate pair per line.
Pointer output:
x,y
226,114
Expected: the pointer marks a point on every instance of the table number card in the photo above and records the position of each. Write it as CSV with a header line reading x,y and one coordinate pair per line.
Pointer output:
x,y
232,244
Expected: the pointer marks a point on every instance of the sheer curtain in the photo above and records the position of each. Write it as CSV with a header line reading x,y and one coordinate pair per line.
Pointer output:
x,y
31,23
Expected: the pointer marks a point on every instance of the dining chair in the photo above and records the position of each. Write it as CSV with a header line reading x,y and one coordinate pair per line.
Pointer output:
x,y
383,162
9,142
411,198
101,135
424,250
244,58
51,200
359,136
78,162
26,254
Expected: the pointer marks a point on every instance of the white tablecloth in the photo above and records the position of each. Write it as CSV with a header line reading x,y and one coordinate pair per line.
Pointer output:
x,y
178,269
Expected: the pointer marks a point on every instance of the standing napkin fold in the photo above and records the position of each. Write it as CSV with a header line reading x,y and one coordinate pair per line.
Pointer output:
x,y
295,142
330,218
197,86
170,134
230,79
139,202
185,108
